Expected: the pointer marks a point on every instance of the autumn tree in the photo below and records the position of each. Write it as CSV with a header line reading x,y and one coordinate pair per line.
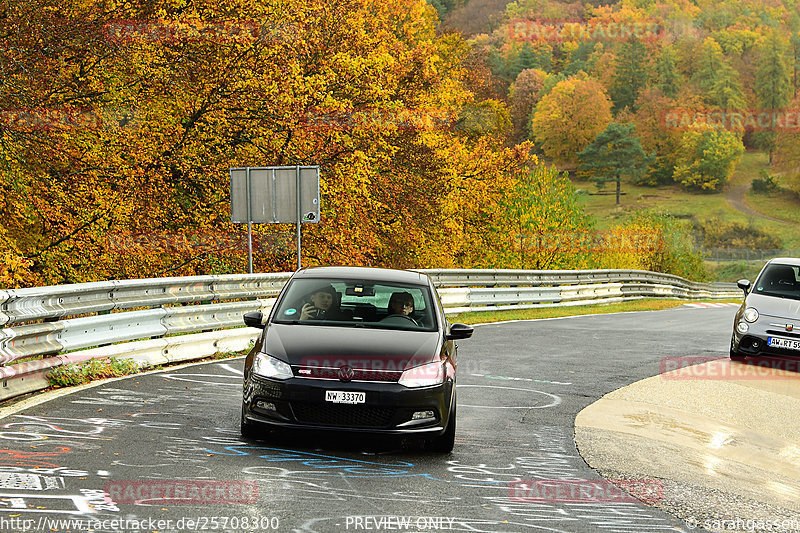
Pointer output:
x,y
523,97
568,118
133,114
707,157
615,153
547,220
657,134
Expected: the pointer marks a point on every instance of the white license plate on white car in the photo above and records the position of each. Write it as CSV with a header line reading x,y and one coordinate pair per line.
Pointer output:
x,y
338,396
778,342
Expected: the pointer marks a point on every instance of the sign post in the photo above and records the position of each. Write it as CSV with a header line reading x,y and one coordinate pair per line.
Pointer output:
x,y
274,195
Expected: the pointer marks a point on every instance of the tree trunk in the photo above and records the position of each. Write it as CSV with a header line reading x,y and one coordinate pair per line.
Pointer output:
x,y
618,187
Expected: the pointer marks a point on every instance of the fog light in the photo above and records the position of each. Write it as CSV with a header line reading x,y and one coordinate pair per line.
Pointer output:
x,y
742,327
266,406
422,415
756,344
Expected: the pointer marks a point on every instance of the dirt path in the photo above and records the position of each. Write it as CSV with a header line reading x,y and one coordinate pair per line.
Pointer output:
x,y
735,198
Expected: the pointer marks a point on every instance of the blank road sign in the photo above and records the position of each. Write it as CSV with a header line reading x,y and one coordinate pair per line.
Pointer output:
x,y
273,194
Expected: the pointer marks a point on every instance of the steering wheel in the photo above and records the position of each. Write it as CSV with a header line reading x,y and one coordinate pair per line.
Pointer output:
x,y
393,318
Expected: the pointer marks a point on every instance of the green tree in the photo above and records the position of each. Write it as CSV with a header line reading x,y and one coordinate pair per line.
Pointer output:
x,y
773,85
726,91
615,153
668,78
546,215
631,75
795,42
717,80
709,62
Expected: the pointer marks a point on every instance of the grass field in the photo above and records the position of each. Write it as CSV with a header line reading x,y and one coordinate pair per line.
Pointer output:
x,y
649,304
699,207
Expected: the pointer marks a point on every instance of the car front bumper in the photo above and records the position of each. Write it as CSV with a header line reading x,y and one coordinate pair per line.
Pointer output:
x,y
299,403
755,341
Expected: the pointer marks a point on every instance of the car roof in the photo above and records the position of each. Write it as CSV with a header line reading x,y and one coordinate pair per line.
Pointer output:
x,y
793,261
362,273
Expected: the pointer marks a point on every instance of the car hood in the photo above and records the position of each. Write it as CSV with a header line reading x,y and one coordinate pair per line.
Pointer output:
x,y
774,306
336,346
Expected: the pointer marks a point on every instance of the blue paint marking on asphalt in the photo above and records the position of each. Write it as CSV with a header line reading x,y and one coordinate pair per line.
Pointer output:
x,y
330,465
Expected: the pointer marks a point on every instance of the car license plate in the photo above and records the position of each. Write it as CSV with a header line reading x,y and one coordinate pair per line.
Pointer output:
x,y
778,342
337,396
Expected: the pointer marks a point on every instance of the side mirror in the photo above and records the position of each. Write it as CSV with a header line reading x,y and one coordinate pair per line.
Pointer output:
x,y
460,331
744,284
253,319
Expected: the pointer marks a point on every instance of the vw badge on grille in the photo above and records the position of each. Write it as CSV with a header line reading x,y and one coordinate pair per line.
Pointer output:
x,y
346,373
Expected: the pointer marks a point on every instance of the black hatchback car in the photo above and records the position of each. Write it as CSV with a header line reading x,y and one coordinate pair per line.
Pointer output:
x,y
354,349
768,322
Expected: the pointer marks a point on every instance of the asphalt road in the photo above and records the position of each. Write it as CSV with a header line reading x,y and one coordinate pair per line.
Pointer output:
x,y
515,467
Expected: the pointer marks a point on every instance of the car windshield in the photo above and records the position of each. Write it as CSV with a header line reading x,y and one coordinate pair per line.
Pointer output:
x,y
357,303
779,280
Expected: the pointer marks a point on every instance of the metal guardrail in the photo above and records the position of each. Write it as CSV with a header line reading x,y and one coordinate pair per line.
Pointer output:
x,y
157,321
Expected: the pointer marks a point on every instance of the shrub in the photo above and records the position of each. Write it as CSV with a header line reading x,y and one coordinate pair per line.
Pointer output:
x,y
656,242
719,234
764,183
87,371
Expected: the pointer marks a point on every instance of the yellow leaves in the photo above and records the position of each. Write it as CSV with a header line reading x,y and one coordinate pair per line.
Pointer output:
x,y
567,119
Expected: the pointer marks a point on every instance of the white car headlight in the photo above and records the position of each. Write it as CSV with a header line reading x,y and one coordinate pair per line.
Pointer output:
x,y
751,314
742,327
270,367
423,376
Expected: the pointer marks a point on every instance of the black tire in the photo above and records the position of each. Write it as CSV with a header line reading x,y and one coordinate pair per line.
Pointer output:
x,y
445,442
736,356
247,428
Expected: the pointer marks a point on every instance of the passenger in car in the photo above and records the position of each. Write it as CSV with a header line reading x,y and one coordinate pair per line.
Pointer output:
x,y
324,305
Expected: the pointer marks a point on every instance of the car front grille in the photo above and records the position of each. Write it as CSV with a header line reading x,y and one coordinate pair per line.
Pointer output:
x,y
359,374
784,333
361,416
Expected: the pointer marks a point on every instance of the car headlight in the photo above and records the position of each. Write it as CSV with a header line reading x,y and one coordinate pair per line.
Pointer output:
x,y
423,376
742,327
270,367
751,314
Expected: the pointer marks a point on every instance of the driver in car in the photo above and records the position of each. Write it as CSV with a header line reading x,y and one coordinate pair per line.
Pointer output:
x,y
402,303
